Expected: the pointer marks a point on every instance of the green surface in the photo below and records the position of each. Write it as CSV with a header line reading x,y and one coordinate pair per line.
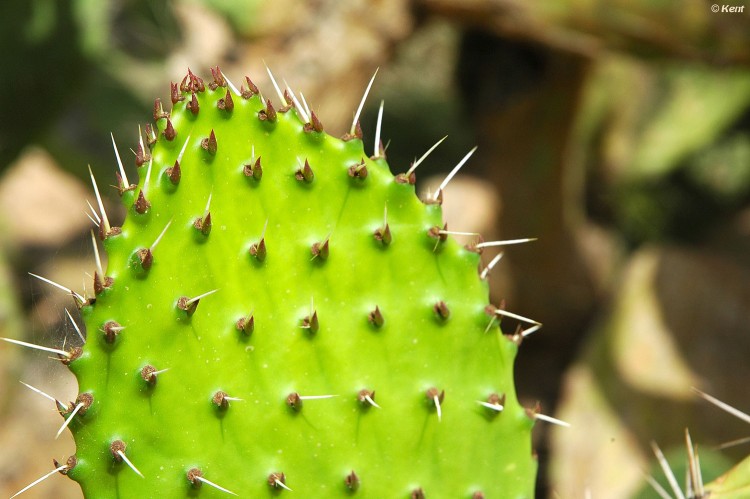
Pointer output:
x,y
734,484
173,425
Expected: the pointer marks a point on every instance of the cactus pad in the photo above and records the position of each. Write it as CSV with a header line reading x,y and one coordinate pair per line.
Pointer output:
x,y
280,314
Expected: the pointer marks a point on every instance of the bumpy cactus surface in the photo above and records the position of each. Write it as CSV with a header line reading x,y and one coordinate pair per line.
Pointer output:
x,y
282,315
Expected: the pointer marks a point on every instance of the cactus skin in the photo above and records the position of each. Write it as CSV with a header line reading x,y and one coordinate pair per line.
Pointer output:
x,y
734,484
328,281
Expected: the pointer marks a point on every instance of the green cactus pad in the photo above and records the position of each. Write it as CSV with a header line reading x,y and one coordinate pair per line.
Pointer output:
x,y
340,345
734,484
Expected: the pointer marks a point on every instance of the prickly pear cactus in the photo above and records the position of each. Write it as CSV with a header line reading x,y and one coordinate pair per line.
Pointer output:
x,y
282,315
734,484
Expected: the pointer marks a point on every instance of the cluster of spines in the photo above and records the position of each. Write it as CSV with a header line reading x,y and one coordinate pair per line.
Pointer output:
x,y
143,258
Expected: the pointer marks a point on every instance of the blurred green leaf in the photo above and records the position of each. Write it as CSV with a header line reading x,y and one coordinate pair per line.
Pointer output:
x,y
242,15
696,106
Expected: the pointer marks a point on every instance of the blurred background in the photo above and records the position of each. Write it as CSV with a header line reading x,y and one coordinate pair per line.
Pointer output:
x,y
617,132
